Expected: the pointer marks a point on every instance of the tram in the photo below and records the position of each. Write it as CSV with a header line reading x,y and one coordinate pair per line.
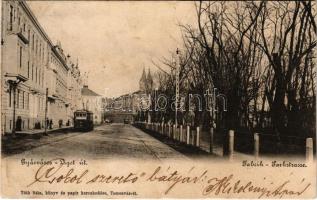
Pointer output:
x,y
83,120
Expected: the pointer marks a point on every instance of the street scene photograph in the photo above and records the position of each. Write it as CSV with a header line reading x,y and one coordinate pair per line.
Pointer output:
x,y
158,99
119,79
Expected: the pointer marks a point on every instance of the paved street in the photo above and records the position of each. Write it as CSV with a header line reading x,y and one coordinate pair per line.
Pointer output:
x,y
105,142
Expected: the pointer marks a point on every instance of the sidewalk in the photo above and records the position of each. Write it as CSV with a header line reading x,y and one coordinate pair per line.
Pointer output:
x,y
41,131
189,151
26,140
33,133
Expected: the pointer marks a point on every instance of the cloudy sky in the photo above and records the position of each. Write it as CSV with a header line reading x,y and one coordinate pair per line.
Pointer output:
x,y
114,40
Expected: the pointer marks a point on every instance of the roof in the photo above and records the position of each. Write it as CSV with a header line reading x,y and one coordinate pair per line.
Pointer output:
x,y
85,91
83,110
143,77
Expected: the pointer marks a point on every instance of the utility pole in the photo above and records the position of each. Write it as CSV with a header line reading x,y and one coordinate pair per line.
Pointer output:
x,y
213,117
46,102
177,84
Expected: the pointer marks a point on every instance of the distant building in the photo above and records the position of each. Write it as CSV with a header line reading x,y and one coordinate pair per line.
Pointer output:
x,y
132,105
93,102
146,82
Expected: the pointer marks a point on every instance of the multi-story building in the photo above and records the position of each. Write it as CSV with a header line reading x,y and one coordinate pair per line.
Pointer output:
x,y
29,54
58,91
74,89
93,102
136,105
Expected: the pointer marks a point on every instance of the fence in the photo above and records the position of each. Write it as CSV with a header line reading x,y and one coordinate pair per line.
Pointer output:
x,y
230,141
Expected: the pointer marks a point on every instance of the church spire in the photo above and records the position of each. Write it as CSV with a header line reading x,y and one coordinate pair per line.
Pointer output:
x,y
149,81
142,82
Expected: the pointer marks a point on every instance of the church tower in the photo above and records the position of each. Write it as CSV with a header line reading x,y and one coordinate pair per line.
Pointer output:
x,y
142,82
149,82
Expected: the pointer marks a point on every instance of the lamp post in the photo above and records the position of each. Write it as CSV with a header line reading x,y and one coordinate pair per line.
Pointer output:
x,y
13,81
177,84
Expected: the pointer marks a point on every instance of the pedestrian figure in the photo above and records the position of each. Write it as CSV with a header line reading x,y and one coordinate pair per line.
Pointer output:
x,y
60,122
47,123
51,123
18,124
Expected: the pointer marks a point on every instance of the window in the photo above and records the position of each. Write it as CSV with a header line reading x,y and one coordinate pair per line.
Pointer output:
x,y
32,41
39,76
29,35
23,99
10,98
36,75
38,100
28,101
28,69
11,18
32,71
21,57
24,27
18,98
36,47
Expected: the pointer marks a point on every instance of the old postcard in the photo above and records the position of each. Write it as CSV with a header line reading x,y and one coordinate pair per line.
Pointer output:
x,y
158,99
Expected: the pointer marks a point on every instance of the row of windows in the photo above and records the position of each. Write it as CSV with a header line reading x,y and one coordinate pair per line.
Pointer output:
x,y
24,124
33,73
23,100
59,67
37,44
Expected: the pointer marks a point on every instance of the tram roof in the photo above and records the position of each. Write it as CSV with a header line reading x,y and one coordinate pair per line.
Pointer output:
x,y
86,111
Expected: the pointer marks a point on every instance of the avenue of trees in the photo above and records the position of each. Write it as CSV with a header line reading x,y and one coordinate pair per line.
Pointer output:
x,y
260,55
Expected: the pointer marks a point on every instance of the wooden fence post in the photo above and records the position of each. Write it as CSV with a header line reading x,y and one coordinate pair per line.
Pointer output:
x,y
211,145
165,129
181,133
231,144
162,128
187,135
309,150
192,133
197,136
173,132
256,145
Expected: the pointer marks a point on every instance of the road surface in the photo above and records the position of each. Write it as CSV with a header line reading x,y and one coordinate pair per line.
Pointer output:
x,y
113,141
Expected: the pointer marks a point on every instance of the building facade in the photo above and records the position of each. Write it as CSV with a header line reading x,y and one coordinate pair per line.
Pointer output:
x,y
48,76
93,102
146,82
132,106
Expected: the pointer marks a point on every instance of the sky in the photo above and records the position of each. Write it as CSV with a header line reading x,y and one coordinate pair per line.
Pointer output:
x,y
114,41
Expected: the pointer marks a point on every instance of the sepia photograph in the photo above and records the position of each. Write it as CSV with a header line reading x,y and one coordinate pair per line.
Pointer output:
x,y
158,99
